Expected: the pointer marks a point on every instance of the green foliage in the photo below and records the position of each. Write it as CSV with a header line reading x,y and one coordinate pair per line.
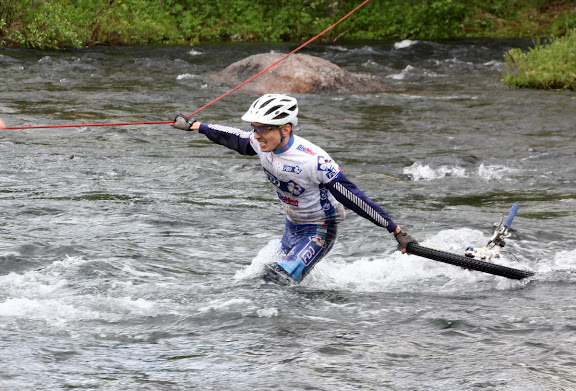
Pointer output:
x,y
60,23
77,23
129,22
432,19
8,11
520,18
547,66
48,25
564,23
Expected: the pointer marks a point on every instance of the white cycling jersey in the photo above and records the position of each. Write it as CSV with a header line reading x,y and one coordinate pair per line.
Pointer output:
x,y
299,173
309,183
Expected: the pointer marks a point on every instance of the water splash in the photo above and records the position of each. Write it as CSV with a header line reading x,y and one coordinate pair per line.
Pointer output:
x,y
494,171
185,76
419,171
404,44
564,261
268,254
403,74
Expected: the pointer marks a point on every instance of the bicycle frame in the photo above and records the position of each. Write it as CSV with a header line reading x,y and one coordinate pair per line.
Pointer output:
x,y
487,253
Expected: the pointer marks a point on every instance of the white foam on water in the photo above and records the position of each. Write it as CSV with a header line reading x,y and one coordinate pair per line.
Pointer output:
x,y
52,311
403,74
562,261
363,50
39,283
226,305
404,44
58,296
437,98
418,171
130,270
494,171
338,48
268,254
185,76
40,295
237,305
267,312
494,64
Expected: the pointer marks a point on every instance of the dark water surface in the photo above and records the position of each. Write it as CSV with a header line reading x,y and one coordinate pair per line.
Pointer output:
x,y
130,256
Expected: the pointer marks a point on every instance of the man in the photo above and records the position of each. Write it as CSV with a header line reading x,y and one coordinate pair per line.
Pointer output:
x,y
311,186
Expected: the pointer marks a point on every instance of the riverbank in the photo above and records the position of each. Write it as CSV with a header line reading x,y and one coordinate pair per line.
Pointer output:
x,y
60,24
546,66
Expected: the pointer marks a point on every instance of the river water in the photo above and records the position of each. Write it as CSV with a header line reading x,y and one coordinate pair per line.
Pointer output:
x,y
131,256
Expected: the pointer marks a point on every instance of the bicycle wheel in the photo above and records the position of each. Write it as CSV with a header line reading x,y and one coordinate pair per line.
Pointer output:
x,y
467,262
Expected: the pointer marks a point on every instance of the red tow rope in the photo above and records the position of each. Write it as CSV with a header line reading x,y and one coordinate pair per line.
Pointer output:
x,y
209,104
86,125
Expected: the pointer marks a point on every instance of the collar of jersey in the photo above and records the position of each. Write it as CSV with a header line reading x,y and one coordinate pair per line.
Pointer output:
x,y
285,147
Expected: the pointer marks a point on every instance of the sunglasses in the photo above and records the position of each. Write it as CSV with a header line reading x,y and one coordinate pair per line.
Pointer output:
x,y
264,128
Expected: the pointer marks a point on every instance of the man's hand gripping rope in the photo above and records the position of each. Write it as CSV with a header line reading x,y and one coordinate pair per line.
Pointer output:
x,y
183,122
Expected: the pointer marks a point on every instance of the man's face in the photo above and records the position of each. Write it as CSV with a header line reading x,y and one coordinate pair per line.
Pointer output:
x,y
270,137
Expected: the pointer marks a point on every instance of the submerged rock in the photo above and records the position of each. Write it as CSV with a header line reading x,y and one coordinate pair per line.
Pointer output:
x,y
297,74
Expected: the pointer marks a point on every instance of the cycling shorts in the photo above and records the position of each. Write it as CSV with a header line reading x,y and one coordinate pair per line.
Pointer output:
x,y
305,245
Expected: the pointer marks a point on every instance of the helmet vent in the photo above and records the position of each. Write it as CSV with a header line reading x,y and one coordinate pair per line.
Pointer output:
x,y
284,114
273,109
267,103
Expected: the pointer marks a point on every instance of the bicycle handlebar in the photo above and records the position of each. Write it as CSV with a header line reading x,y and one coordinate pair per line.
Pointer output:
x,y
511,215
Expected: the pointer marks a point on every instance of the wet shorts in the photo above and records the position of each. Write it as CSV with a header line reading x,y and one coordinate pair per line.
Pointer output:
x,y
305,245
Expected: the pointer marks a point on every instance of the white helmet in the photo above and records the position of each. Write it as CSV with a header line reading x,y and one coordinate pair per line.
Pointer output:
x,y
273,109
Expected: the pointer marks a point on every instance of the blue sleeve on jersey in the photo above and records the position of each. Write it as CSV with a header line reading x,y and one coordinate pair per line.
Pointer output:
x,y
233,138
349,195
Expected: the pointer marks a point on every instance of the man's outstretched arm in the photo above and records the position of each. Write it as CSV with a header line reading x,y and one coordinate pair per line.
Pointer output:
x,y
233,138
349,195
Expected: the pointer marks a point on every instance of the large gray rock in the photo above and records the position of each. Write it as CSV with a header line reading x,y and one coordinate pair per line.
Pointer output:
x,y
297,74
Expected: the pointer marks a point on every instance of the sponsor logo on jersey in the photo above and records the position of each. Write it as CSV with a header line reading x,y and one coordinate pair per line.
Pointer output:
x,y
275,181
287,187
327,165
326,205
287,200
294,169
295,188
306,150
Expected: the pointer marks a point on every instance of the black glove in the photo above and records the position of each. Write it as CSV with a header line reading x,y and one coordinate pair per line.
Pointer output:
x,y
403,239
183,122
